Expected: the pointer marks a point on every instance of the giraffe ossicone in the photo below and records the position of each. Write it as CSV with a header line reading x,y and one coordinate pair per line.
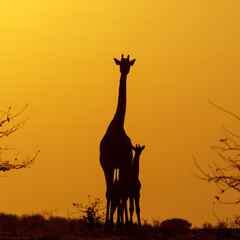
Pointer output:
x,y
125,64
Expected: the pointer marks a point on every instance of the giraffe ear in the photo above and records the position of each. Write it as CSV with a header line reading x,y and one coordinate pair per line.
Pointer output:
x,y
133,148
143,147
132,62
117,61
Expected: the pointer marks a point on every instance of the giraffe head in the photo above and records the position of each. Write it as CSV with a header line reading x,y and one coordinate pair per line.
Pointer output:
x,y
125,64
138,149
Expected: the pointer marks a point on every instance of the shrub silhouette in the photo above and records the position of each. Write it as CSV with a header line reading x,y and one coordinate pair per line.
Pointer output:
x,y
92,213
8,222
35,223
175,224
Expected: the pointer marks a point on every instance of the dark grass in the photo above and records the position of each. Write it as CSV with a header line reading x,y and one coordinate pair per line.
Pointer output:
x,y
36,227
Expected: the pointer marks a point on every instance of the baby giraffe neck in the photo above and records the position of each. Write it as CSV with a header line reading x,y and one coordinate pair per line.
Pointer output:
x,y
135,165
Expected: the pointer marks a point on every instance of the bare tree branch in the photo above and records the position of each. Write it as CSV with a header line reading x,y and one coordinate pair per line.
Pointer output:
x,y
7,128
6,118
224,110
7,166
226,174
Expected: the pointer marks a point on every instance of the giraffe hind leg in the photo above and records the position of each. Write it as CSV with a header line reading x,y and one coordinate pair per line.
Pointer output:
x,y
126,217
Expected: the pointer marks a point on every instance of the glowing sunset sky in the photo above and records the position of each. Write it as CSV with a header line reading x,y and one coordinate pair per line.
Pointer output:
x,y
57,57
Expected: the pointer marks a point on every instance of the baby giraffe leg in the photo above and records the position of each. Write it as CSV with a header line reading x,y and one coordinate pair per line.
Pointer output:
x,y
138,210
131,210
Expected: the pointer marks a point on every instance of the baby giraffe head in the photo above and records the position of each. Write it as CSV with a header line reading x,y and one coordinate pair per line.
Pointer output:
x,y
138,149
125,64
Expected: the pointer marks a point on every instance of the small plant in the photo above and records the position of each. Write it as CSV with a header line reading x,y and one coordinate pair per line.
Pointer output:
x,y
156,223
235,222
92,213
47,214
207,225
222,224
229,222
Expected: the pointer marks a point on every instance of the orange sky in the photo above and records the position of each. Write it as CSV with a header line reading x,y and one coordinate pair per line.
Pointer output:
x,y
57,56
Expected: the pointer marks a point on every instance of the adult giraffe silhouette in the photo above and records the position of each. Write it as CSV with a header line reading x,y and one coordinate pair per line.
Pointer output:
x,y
116,146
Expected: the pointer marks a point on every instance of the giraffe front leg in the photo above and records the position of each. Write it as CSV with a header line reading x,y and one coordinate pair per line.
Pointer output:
x,y
107,217
109,182
122,209
113,209
119,219
126,217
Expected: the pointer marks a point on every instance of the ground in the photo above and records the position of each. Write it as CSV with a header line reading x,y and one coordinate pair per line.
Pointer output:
x,y
194,234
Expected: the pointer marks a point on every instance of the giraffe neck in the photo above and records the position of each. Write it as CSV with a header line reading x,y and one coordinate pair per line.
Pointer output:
x,y
135,165
121,107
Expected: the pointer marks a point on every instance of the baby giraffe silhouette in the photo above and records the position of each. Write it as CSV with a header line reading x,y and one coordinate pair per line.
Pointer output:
x,y
135,185
132,191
